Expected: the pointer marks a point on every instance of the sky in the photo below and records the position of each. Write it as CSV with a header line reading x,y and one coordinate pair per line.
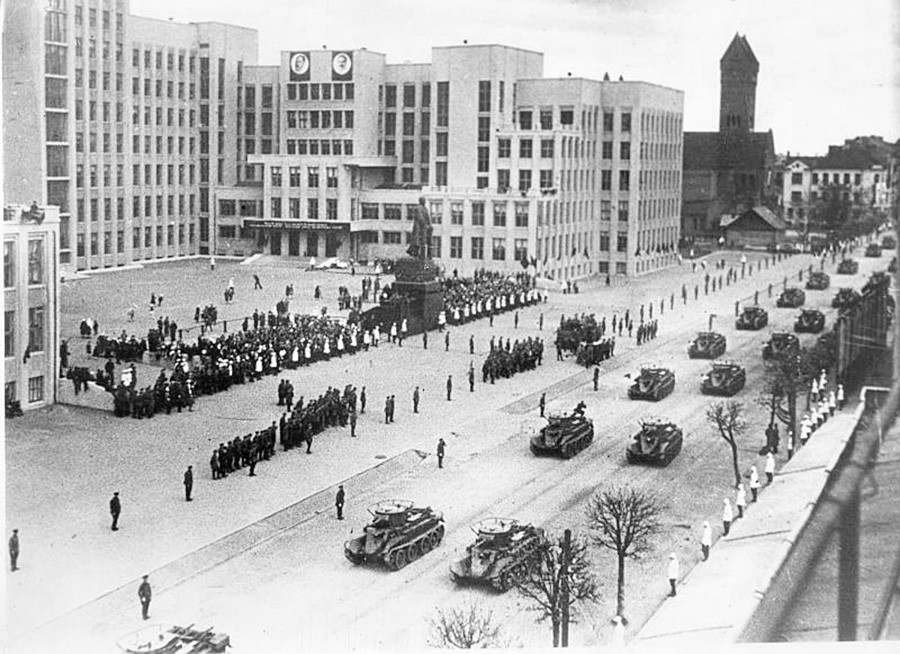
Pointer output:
x,y
829,69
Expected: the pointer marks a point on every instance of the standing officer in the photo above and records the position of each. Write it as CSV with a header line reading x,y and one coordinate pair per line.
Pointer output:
x,y
188,483
449,386
596,377
543,403
446,341
362,401
144,593
471,379
472,344
424,340
115,508
339,502
352,423
416,400
440,452
14,550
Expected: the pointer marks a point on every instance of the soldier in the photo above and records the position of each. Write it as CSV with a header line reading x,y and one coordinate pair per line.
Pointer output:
x,y
446,341
353,423
214,464
144,593
387,409
673,573
596,377
424,340
754,482
541,322
362,401
542,403
252,455
14,550
516,321
440,452
416,400
393,405
115,508
471,379
472,344
706,540
449,386
188,483
339,502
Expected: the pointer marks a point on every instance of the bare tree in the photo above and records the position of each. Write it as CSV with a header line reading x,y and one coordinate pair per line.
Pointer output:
x,y
559,578
728,418
623,520
469,626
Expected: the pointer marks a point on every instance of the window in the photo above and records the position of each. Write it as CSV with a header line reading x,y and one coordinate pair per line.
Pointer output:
x,y
605,209
815,178
276,175
502,180
478,214
624,180
436,246
226,231
525,148
504,148
36,328
626,122
499,214
9,333
390,95
546,118
392,238
521,214
484,129
546,148
484,96
796,178
331,180
546,179
524,120
498,249
36,387
608,121
484,159
294,176
605,180
369,211
625,150
441,144
796,196
331,209
456,247
520,249
607,149
436,209
604,241
622,242
393,212
227,207
312,208
857,179
312,176
623,210
36,261
440,173
524,180
443,104
456,214
9,264
477,247
409,95
294,208
275,204
409,151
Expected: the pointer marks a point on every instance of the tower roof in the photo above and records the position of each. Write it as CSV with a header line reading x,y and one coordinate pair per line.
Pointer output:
x,y
739,51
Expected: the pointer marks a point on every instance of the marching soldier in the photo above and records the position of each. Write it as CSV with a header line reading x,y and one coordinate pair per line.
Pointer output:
x,y
449,386
115,509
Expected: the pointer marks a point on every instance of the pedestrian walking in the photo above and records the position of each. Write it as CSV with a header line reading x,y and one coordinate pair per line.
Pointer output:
x,y
770,466
673,573
416,400
542,403
145,593
115,509
440,452
339,502
754,482
596,377
256,284
446,341
472,344
362,401
188,483
14,550
706,540
727,516
449,386
740,501
840,397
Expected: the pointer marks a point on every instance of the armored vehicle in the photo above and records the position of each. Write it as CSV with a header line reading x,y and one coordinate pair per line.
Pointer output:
x,y
848,267
752,318
873,250
791,298
657,443
818,281
398,534
564,436
810,321
652,384
780,344
845,298
707,345
726,378
503,552
888,242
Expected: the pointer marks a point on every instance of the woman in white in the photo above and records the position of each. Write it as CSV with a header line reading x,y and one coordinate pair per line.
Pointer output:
x,y
706,540
754,482
770,466
741,500
673,572
727,516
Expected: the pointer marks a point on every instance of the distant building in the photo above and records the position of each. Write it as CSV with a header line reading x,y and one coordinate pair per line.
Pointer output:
x,y
758,227
731,170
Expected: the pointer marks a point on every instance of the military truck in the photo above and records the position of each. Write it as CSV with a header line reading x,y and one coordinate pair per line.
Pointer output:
x,y
503,552
564,436
653,383
848,267
399,534
873,250
752,317
726,378
810,321
657,443
791,298
845,298
707,345
781,344
818,281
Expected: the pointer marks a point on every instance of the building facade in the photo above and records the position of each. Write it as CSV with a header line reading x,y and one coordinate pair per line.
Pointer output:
x,y
571,176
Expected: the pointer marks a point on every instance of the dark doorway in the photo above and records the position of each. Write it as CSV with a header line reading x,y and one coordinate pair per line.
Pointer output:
x,y
312,245
275,242
294,244
332,243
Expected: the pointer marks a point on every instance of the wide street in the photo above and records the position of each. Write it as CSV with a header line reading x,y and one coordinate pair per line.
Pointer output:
x,y
273,581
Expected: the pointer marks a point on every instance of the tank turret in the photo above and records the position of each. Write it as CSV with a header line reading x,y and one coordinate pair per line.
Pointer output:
x,y
752,317
848,267
873,250
781,344
791,298
818,281
810,321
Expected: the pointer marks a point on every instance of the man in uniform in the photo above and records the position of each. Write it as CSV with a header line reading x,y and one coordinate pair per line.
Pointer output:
x,y
471,379
446,341
339,503
543,403
188,483
144,593
424,340
14,550
115,508
440,452
596,377
362,401
449,386
387,409
353,424
472,344
416,400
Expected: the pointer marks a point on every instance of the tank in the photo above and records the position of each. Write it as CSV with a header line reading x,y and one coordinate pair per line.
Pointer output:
x,y
791,298
810,321
848,267
780,343
504,550
845,298
652,384
564,436
888,242
657,443
873,250
818,281
707,345
399,534
752,318
726,378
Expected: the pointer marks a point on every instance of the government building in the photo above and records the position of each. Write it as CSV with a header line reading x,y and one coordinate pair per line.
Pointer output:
x,y
163,140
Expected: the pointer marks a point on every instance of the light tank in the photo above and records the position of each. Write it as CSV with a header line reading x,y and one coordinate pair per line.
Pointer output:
x,y
873,250
564,436
707,345
791,298
726,378
810,321
848,267
657,443
652,384
888,242
503,552
780,344
398,534
845,298
818,281
752,317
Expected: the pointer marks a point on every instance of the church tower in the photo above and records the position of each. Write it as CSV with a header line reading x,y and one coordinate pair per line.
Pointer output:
x,y
739,68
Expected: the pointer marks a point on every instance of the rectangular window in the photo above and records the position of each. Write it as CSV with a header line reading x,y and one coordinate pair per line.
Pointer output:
x,y
608,121
623,210
625,150
605,180
524,120
436,209
499,214
624,180
498,249
604,241
546,118
521,214
456,247
312,208
622,242
484,129
477,247
393,238
502,180
390,95
9,264
796,178
626,122
36,388
520,249
409,151
546,148
546,179
393,212
524,180
36,328
275,204
294,208
504,148
456,214
440,173
484,96
443,104
442,139
525,148
478,214
484,159
331,209
369,211
36,261
312,176
9,333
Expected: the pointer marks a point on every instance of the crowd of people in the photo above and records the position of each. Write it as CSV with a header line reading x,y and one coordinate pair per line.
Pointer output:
x,y
243,452
123,348
331,409
647,331
485,294
513,358
175,392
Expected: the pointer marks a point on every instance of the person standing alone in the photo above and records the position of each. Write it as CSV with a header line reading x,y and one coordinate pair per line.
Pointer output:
x,y
440,452
115,509
449,386
339,503
14,550
145,593
188,483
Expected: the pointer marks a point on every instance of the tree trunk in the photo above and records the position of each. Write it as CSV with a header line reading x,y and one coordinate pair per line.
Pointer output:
x,y
620,597
555,621
734,462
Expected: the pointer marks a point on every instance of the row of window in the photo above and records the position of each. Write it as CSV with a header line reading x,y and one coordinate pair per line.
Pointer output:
x,y
335,91
499,210
36,331
92,18
35,389
186,206
319,119
387,124
35,262
170,60
499,246
149,239
316,147
388,95
104,51
312,176
149,86
312,209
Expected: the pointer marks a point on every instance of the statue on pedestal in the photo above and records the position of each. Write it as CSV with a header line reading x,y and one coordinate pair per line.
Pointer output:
x,y
420,239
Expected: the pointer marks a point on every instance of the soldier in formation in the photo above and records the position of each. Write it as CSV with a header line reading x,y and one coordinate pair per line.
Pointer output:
x,y
504,362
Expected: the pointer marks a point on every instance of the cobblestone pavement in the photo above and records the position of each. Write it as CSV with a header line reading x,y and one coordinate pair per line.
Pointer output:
x,y
63,464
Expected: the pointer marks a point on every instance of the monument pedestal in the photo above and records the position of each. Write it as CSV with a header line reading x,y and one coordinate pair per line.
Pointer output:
x,y
425,302
418,299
